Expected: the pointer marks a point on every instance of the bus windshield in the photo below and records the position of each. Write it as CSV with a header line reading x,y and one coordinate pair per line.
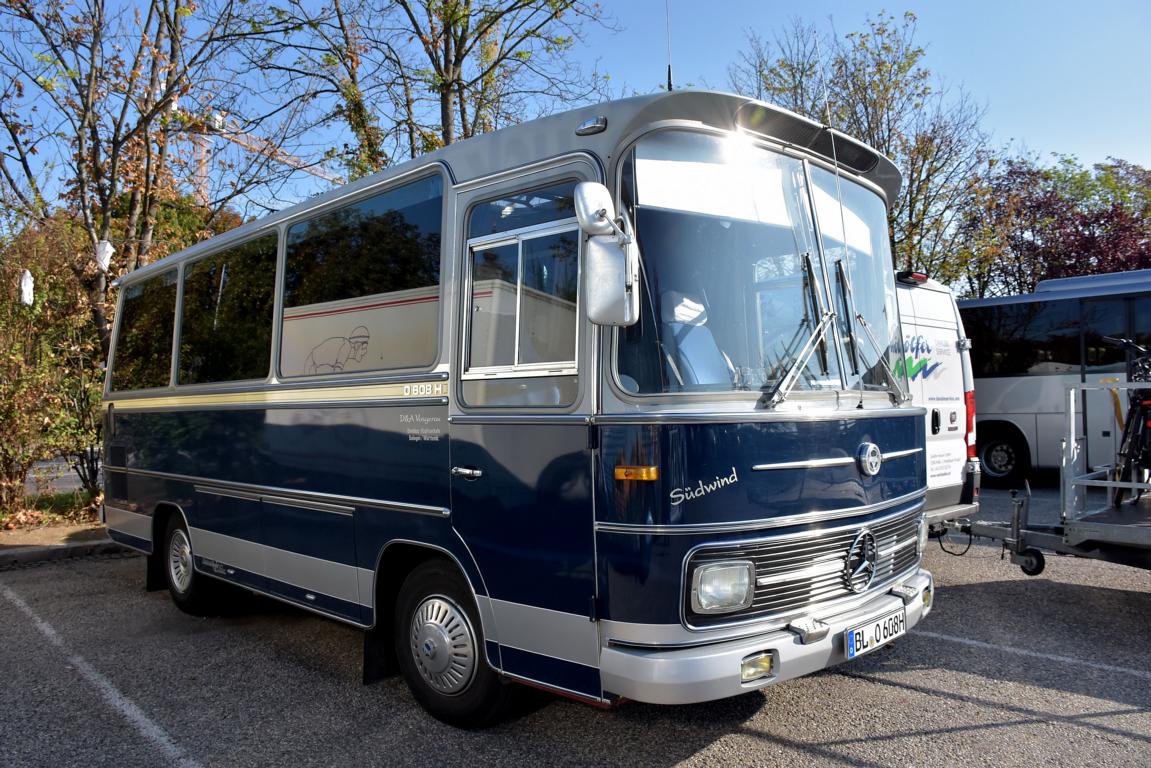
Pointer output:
x,y
752,270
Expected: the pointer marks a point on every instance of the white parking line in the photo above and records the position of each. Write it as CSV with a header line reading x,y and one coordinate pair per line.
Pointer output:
x,y
1034,654
118,701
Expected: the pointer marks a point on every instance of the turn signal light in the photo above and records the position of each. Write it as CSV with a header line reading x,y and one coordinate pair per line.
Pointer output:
x,y
637,473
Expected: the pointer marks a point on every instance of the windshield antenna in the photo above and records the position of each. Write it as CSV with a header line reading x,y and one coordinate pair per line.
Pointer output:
x,y
667,23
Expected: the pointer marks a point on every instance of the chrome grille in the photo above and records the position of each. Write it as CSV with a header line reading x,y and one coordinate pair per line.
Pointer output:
x,y
793,573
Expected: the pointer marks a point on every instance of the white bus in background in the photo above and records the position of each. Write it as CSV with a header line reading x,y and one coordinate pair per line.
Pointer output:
x,y
1026,349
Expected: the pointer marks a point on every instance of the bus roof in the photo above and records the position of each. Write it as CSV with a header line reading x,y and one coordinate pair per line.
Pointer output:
x,y
1083,286
554,136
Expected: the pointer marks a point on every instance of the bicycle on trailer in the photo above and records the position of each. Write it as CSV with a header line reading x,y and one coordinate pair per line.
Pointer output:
x,y
1133,461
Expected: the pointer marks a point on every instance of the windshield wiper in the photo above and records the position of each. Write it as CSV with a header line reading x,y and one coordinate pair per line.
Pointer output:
x,y
784,386
903,396
848,299
817,338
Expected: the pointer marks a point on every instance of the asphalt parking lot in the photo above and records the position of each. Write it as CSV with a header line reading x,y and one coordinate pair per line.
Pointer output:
x,y
1008,670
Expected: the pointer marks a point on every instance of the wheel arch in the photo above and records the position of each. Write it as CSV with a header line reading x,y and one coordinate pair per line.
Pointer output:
x,y
161,514
395,560
988,429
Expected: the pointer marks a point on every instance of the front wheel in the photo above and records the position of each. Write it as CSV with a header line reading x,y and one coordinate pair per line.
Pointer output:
x,y
440,648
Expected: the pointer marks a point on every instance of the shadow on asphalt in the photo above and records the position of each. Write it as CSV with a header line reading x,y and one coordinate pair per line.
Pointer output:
x,y
1097,625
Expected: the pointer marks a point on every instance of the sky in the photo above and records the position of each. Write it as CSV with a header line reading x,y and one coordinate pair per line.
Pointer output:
x,y
1055,77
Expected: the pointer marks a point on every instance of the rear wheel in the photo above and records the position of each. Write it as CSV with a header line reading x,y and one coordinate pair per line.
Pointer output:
x,y
1003,458
191,591
440,649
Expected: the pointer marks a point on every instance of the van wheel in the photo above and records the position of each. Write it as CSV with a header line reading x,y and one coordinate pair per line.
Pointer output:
x,y
1003,458
191,591
440,649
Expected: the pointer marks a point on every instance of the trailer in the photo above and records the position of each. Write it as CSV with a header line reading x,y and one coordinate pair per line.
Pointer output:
x,y
1086,528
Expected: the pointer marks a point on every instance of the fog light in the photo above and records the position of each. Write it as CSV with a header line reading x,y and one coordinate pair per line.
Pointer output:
x,y
722,587
756,667
928,593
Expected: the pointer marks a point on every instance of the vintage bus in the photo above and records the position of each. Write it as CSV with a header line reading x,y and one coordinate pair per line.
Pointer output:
x,y
1025,351
604,403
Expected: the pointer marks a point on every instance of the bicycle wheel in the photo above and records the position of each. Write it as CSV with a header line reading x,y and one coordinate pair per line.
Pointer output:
x,y
1129,448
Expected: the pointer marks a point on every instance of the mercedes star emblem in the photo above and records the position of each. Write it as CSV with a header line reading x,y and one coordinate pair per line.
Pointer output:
x,y
869,458
859,567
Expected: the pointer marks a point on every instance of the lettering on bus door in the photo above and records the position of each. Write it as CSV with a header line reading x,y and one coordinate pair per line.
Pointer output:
x,y
521,468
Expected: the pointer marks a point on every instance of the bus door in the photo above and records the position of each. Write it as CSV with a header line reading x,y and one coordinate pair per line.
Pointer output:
x,y
521,452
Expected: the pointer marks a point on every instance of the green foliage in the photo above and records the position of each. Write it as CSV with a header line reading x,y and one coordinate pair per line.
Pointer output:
x,y
49,377
1028,222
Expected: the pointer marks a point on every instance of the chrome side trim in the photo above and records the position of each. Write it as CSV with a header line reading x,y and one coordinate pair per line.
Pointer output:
x,y
126,521
290,493
540,419
762,523
336,509
226,493
238,406
745,417
838,461
901,454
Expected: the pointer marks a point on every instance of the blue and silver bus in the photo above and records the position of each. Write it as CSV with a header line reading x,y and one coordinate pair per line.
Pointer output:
x,y
606,403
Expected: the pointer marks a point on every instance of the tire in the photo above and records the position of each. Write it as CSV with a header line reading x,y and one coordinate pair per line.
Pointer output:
x,y
1122,474
1034,562
1003,458
440,648
192,592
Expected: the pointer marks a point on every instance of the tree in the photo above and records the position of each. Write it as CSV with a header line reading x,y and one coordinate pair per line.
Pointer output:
x,y
407,77
37,344
873,86
1030,222
98,98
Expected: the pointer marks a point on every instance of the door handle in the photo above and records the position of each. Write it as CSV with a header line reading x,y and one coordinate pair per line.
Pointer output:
x,y
936,421
468,473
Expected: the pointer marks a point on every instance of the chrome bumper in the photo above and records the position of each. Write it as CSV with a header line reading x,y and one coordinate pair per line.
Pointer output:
x,y
705,673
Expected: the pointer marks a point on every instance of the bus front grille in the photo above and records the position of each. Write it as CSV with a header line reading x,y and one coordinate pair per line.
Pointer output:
x,y
795,573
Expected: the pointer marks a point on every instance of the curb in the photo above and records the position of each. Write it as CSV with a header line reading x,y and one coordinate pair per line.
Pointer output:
x,y
26,555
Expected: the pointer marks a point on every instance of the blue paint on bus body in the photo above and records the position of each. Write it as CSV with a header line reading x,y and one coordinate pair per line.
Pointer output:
x,y
525,531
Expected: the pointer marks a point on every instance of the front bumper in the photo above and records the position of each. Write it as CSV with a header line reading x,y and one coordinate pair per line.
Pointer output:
x,y
705,673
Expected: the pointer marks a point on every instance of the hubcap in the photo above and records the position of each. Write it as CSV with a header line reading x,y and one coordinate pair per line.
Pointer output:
x,y
1000,459
180,561
443,646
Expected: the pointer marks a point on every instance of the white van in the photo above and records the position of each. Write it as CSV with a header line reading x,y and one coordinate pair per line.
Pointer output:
x,y
938,363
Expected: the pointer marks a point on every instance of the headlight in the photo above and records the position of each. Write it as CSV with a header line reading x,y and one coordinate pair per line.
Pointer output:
x,y
921,544
722,587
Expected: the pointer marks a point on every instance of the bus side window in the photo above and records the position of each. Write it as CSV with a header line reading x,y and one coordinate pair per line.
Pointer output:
x,y
226,314
143,354
523,303
362,285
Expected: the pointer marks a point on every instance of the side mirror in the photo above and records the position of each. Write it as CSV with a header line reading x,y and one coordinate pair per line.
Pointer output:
x,y
612,270
611,260
594,209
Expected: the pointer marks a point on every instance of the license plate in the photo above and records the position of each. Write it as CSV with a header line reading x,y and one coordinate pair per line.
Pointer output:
x,y
866,637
